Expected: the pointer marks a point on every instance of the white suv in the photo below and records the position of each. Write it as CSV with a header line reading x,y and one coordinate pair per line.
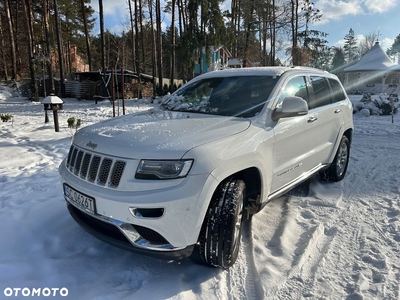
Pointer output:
x,y
216,151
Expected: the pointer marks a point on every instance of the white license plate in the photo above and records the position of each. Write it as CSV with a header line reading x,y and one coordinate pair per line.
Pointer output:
x,y
80,200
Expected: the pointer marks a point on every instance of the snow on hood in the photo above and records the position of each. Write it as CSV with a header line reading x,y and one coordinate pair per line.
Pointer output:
x,y
156,134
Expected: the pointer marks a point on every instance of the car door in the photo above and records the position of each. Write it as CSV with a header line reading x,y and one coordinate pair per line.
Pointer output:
x,y
329,119
295,138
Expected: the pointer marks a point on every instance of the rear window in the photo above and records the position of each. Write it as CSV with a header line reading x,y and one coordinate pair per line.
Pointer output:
x,y
322,93
337,91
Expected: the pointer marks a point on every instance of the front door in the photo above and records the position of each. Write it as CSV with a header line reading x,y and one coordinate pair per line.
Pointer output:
x,y
295,138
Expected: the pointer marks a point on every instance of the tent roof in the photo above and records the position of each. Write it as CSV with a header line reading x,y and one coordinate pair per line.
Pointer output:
x,y
375,60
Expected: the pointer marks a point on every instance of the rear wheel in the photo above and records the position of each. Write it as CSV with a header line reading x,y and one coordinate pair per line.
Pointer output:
x,y
338,168
221,231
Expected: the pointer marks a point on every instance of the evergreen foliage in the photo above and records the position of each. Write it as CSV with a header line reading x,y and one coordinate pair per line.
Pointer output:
x,y
338,59
74,123
254,31
5,117
395,48
350,46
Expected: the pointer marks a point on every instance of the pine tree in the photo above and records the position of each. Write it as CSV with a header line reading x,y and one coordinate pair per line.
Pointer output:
x,y
338,58
395,48
319,54
350,46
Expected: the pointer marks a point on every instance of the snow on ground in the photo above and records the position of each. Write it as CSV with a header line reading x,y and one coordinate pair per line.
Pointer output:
x,y
342,241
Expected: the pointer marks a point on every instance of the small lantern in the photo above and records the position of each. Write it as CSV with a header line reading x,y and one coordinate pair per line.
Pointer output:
x,y
55,104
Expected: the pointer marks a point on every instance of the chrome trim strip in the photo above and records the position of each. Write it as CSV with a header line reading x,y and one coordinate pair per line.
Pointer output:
x,y
295,182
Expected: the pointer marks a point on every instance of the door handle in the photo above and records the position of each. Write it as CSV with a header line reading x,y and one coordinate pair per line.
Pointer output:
x,y
337,110
312,119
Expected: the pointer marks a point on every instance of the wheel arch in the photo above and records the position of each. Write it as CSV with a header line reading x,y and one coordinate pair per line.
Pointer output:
x,y
349,134
252,178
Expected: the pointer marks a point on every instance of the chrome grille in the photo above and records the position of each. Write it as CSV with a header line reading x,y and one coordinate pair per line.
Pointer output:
x,y
101,170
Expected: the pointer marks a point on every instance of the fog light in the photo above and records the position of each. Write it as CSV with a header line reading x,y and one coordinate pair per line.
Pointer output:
x,y
147,212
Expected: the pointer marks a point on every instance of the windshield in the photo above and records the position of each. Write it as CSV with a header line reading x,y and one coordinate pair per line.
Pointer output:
x,y
241,96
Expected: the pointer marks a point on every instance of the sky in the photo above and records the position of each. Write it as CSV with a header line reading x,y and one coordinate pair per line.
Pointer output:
x,y
365,17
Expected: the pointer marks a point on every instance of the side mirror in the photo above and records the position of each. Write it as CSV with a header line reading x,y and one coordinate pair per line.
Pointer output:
x,y
291,107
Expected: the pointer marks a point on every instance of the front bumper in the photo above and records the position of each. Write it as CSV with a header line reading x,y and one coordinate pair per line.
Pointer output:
x,y
114,233
176,230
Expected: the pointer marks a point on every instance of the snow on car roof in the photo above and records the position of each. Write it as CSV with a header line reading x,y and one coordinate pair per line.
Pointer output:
x,y
271,71
256,71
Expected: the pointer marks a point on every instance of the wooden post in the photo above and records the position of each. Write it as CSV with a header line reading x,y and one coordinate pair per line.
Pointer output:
x,y
113,92
123,91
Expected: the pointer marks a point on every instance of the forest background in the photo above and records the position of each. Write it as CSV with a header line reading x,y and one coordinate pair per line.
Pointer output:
x,y
37,34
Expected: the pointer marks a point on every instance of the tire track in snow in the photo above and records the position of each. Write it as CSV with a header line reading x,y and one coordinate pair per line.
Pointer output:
x,y
365,272
242,279
311,248
291,245
254,288
315,244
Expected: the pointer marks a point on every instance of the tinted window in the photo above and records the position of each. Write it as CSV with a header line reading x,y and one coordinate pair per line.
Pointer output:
x,y
322,93
336,90
295,87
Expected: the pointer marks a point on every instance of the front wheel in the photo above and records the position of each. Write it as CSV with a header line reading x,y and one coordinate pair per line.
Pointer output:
x,y
221,231
338,168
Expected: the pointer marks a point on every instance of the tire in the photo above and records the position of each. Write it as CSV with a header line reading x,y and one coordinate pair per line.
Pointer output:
x,y
221,231
337,170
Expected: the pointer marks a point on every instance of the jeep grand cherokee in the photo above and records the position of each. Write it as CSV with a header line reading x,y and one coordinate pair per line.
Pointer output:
x,y
214,152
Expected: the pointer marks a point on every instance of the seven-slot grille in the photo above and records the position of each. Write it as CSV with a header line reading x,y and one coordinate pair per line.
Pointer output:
x,y
94,168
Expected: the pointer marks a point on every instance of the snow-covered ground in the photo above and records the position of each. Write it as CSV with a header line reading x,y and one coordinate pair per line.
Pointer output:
x,y
342,241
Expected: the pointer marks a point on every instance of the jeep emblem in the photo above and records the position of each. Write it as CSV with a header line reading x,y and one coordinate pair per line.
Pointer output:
x,y
91,145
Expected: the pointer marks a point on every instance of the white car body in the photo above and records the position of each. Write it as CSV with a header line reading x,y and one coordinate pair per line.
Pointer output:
x,y
276,155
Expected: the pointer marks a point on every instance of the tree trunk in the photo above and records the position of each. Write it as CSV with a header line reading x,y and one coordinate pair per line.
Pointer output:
x,y
34,89
273,35
132,37
102,46
181,17
3,56
172,47
137,47
60,49
296,53
159,44
12,43
143,68
46,14
153,50
246,45
87,36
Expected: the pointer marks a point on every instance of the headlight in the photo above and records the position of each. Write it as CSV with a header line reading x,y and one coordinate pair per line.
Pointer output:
x,y
163,169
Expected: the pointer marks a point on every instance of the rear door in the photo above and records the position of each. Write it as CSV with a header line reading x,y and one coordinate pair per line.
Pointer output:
x,y
329,116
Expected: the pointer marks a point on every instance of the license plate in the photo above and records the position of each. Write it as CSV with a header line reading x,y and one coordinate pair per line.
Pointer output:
x,y
80,200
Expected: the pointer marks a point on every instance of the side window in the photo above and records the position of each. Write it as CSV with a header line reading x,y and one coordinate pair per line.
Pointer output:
x,y
337,91
322,94
295,87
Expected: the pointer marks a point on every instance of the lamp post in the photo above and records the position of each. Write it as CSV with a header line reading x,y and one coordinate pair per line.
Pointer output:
x,y
43,58
55,104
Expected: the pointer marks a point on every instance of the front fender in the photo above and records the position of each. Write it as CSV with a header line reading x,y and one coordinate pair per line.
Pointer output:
x,y
221,159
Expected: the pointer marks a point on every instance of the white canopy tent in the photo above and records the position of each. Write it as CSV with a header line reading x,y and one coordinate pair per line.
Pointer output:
x,y
375,73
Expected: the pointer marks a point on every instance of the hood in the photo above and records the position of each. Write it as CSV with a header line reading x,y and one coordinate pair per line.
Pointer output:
x,y
156,134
